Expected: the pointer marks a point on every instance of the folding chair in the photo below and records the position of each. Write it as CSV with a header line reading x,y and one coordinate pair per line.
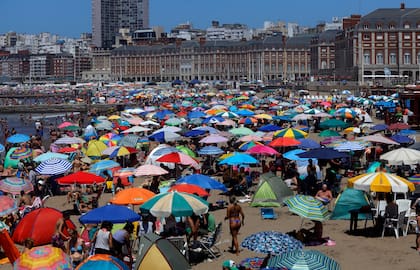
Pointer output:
x,y
268,213
209,243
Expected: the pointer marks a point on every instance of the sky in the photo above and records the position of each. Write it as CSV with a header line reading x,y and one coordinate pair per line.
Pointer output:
x,y
72,17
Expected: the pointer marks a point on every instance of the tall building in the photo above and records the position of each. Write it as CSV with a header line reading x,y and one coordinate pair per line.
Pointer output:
x,y
109,16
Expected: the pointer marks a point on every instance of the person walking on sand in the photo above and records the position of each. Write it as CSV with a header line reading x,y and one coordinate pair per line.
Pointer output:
x,y
236,219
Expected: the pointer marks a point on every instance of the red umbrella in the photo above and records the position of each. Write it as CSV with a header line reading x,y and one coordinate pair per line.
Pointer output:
x,y
400,126
80,178
283,142
190,188
40,226
176,157
67,150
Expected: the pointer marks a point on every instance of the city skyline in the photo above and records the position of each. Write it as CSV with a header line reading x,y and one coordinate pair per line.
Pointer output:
x,y
70,18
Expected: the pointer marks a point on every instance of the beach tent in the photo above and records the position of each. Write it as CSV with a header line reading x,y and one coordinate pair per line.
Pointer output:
x,y
349,199
8,162
158,253
271,191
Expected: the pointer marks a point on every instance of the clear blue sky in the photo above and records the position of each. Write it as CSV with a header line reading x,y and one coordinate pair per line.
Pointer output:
x,y
72,17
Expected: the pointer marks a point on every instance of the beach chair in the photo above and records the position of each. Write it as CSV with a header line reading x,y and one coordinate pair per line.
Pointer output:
x,y
268,213
209,243
394,223
180,242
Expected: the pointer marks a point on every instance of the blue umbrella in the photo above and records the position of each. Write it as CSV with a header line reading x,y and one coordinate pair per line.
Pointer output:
x,y
194,133
103,165
203,181
195,114
269,127
111,213
323,153
210,150
213,120
245,112
164,136
238,159
379,127
283,117
407,132
54,166
293,154
308,144
162,114
401,139
271,242
1,148
18,138
211,130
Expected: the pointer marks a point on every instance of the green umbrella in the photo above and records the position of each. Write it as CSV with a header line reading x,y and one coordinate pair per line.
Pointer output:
x,y
329,133
174,121
186,150
307,207
242,131
333,123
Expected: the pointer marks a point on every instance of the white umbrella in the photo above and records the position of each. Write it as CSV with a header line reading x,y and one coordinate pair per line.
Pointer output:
x,y
149,169
349,146
213,138
69,140
302,116
136,129
378,138
402,156
53,166
149,123
168,128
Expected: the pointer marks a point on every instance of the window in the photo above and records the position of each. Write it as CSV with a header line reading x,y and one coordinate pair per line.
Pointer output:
x,y
392,26
392,36
379,26
406,26
407,36
379,36
379,59
407,58
323,65
365,26
332,64
366,59
366,36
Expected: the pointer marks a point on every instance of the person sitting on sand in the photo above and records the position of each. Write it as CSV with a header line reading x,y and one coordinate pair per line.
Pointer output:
x,y
313,234
324,195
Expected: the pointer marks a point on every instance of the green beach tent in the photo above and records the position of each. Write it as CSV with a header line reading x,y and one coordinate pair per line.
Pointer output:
x,y
8,162
349,199
271,192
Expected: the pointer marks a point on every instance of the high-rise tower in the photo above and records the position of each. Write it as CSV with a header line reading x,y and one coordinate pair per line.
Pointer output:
x,y
108,16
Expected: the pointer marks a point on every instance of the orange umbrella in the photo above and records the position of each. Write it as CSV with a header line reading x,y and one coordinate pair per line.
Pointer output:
x,y
190,188
133,196
12,253
284,141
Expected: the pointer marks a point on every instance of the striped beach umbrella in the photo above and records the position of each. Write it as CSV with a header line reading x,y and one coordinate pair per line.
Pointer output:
x,y
7,206
345,113
53,166
349,146
381,182
415,179
290,133
307,207
210,150
15,185
178,204
20,153
303,259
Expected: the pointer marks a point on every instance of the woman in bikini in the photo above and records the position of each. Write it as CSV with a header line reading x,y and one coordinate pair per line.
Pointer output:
x,y
236,218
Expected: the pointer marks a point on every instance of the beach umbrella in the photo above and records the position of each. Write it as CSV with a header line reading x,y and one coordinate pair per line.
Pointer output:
x,y
67,150
44,257
245,112
149,123
248,121
7,206
304,260
50,155
95,148
103,165
301,117
124,172
39,224
333,123
271,242
129,140
308,144
210,130
312,111
239,159
80,178
380,182
352,130
402,156
415,179
110,139
189,188
290,133
165,136
179,158
112,213
15,185
136,129
241,131
213,138
269,127
134,196
284,142
379,127
293,154
117,151
178,204
307,207
213,120
18,138
377,138
20,153
186,150
345,113
248,138
66,124
53,166
174,121
323,153
349,146
203,181
194,133
102,262
149,170
262,150
401,138
227,122
246,145
229,115
407,132
195,115
2,148
210,150
69,140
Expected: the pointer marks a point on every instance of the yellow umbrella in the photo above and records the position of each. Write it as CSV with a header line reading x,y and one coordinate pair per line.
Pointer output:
x,y
263,116
381,182
352,130
95,148
114,117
